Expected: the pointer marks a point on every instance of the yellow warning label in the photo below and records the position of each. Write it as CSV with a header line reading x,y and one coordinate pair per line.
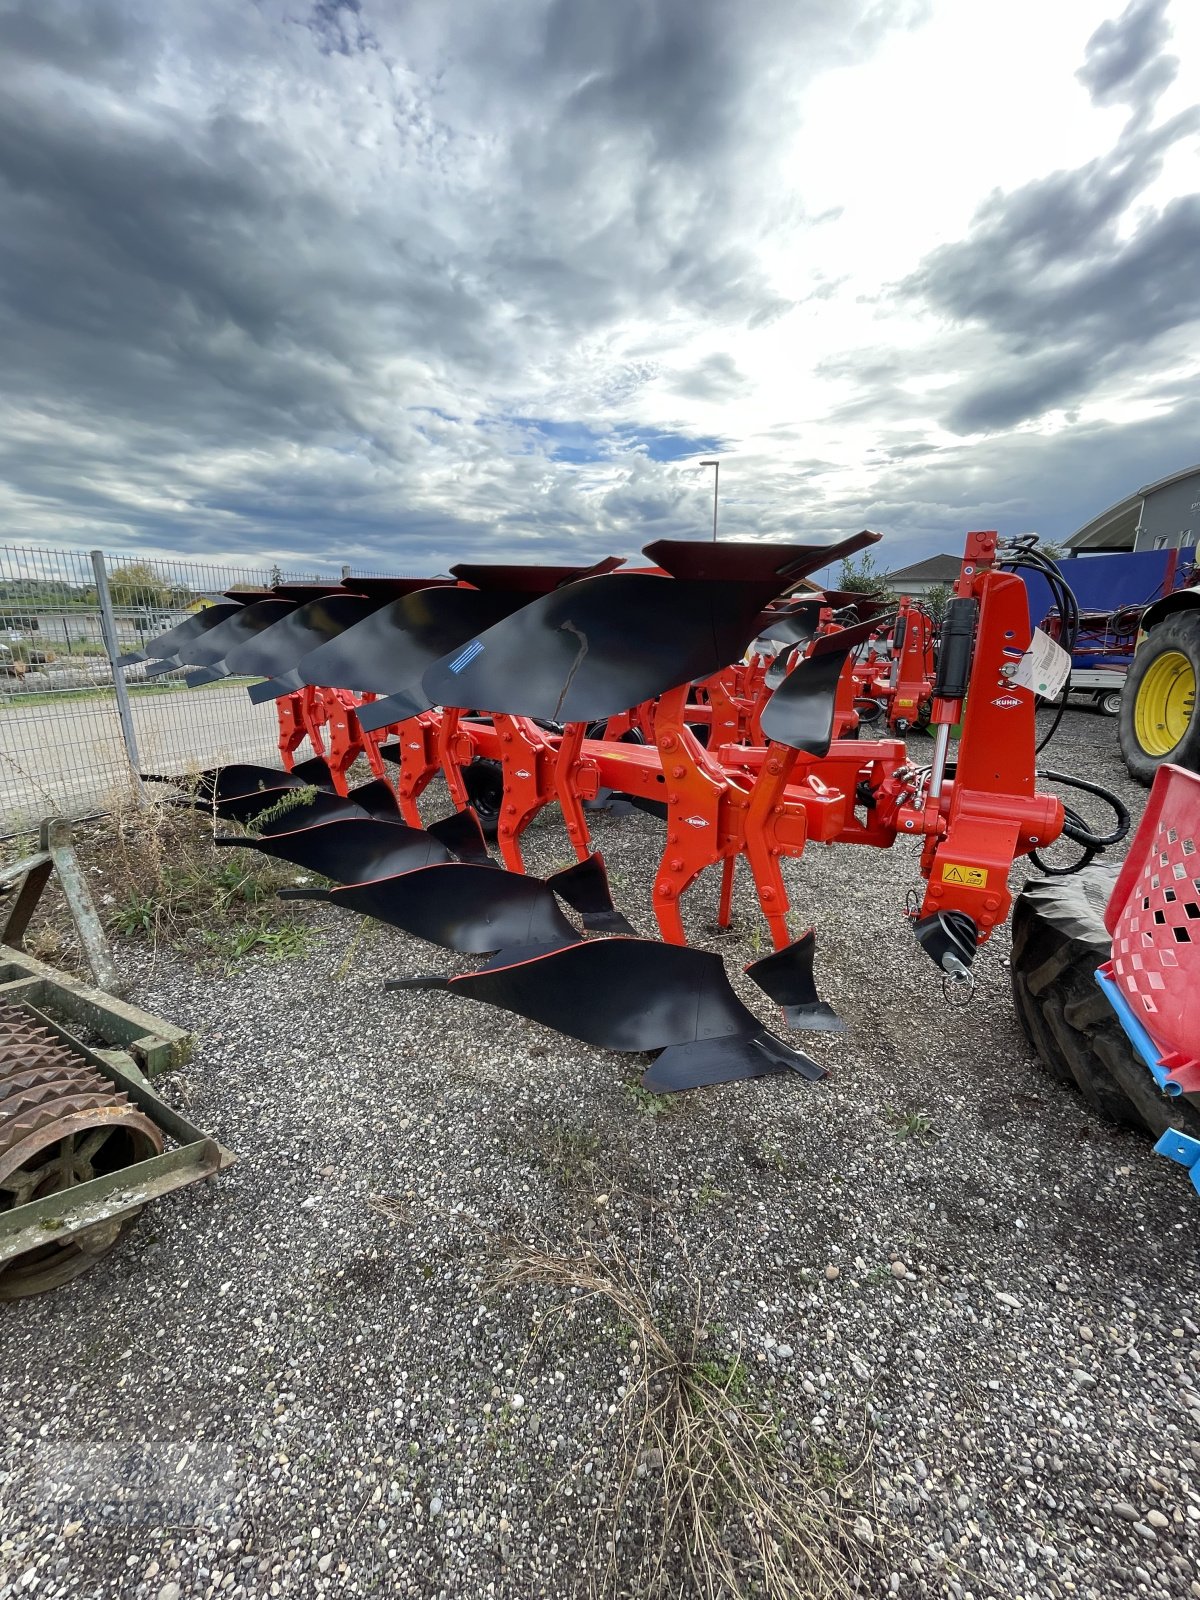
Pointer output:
x,y
973,877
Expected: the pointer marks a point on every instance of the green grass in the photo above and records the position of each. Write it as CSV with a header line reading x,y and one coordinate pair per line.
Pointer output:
x,y
708,1194
652,1105
570,1153
278,941
11,700
728,1376
137,914
168,897
914,1124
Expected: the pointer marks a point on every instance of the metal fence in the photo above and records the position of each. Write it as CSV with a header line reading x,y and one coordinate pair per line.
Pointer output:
x,y
65,748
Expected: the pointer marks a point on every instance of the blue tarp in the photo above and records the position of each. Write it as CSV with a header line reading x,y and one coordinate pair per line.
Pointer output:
x,y
1104,582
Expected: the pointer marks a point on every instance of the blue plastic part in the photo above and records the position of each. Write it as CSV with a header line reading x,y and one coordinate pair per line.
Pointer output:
x,y
1138,1037
1181,1147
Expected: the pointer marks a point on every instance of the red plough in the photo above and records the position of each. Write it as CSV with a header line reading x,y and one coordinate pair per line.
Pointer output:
x,y
525,688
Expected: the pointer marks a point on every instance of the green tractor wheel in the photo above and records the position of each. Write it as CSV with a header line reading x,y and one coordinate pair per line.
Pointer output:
x,y
1160,708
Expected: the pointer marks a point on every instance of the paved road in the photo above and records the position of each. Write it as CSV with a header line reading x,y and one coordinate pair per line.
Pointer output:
x,y
68,756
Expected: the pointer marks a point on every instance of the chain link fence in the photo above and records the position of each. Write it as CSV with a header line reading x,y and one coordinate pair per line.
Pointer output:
x,y
64,746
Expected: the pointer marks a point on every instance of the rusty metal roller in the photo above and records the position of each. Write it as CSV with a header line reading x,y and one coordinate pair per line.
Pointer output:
x,y
61,1124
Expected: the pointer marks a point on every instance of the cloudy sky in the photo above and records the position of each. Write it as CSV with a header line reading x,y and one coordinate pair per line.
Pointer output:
x,y
400,282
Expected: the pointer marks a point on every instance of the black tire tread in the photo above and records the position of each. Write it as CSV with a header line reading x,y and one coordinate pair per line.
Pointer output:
x,y
1059,939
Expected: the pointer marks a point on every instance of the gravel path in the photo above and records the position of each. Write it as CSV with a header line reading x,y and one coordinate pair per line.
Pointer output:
x,y
937,1258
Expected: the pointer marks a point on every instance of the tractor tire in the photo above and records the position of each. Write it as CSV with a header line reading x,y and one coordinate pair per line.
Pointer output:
x,y
1059,939
1160,708
484,779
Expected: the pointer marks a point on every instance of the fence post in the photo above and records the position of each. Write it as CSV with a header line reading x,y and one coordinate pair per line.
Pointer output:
x,y
108,628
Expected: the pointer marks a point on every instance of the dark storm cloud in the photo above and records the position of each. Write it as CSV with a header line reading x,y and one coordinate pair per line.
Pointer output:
x,y
1069,293
1048,483
98,39
270,270
332,280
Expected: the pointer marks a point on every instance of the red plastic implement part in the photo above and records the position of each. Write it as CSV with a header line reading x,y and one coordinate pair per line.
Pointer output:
x,y
1154,918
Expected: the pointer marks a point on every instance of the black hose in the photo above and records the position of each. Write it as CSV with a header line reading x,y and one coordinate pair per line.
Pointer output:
x,y
1076,827
1110,799
1025,554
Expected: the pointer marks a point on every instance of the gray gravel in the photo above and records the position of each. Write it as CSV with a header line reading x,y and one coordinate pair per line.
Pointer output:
x,y
938,1249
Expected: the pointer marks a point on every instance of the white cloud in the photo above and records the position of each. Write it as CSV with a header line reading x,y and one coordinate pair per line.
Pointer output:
x,y
283,282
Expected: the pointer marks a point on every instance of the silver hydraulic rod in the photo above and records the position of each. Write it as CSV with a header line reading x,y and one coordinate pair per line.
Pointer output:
x,y
937,771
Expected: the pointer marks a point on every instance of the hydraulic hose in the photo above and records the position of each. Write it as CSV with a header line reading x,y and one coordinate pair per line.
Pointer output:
x,y
1024,554
1076,827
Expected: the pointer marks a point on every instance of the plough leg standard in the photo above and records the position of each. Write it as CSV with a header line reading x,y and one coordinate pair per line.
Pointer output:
x,y
563,685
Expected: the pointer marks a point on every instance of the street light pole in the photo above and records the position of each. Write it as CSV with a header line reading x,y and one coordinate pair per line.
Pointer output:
x,y
716,486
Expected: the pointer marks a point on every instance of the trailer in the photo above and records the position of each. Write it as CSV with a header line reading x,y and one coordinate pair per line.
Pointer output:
x,y
1101,685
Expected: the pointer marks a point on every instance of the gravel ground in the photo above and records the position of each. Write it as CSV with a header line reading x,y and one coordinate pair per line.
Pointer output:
x,y
937,1265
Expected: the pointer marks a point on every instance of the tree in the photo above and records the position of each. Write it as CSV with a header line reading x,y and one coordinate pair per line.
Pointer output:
x,y
863,577
935,602
138,585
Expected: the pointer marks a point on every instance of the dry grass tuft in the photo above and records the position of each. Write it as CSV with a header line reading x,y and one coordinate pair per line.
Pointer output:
x,y
705,1493
166,884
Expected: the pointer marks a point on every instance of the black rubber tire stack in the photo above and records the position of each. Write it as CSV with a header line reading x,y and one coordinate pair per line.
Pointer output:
x,y
1059,939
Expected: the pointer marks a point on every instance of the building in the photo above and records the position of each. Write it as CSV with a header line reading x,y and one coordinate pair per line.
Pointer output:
x,y
917,580
1162,516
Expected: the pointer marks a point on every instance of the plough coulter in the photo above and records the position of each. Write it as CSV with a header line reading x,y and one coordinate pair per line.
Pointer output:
x,y
536,688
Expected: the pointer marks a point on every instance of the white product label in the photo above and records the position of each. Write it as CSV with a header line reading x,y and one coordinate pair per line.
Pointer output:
x,y
1044,667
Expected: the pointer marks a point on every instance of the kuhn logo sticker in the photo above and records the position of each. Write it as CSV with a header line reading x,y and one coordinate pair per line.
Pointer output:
x,y
1007,702
696,822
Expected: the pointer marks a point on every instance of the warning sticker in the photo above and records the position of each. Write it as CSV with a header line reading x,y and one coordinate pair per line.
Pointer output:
x,y
1044,667
973,877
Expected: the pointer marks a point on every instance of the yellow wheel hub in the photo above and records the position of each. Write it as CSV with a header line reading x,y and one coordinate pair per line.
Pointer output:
x,y
1165,702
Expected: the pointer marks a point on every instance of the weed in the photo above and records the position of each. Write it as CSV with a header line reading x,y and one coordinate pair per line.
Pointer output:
x,y
914,1124
653,1105
727,1503
729,1377
290,800
766,1154
756,941
138,913
570,1153
44,943
164,881
708,1193
365,932
238,880
280,941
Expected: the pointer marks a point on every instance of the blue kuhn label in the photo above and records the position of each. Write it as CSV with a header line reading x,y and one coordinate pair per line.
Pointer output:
x,y
465,656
